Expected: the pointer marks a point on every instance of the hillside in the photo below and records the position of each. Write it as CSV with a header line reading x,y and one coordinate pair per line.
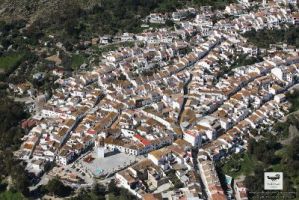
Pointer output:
x,y
75,19
83,18
31,10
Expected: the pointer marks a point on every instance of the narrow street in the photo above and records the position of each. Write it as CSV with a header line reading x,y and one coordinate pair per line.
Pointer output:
x,y
185,99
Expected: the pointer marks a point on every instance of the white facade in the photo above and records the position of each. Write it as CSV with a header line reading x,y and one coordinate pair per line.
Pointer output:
x,y
193,137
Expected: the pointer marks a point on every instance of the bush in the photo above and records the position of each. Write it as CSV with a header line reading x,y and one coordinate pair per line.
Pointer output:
x,y
57,188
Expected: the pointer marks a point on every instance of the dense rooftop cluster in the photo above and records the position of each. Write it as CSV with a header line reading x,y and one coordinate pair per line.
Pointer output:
x,y
162,102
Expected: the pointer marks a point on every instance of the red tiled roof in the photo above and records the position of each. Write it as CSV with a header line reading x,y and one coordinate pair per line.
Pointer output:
x,y
91,131
144,141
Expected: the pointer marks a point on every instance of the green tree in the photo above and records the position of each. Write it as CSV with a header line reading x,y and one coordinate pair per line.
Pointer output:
x,y
294,149
99,190
113,188
57,188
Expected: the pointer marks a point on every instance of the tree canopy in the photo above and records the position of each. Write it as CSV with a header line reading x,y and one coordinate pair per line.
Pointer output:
x,y
263,38
57,188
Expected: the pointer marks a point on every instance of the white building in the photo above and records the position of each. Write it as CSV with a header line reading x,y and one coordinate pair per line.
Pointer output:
x,y
193,137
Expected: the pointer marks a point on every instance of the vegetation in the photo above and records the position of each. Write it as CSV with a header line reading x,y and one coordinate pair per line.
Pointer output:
x,y
244,59
98,192
286,162
293,98
275,151
264,150
169,5
174,179
11,167
267,154
10,61
11,195
238,164
111,47
10,34
168,23
273,156
124,195
13,61
113,188
237,60
77,60
263,38
74,20
125,15
11,113
282,128
216,4
108,17
57,188
259,153
71,23
88,195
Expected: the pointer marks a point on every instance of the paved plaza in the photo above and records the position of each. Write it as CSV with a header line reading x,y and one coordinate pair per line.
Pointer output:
x,y
107,165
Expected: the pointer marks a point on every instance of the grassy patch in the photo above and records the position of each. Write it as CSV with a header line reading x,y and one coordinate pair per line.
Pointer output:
x,y
9,195
7,62
77,61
